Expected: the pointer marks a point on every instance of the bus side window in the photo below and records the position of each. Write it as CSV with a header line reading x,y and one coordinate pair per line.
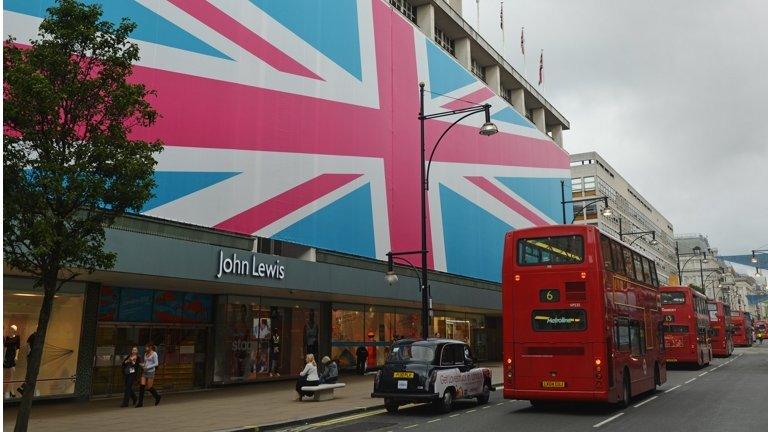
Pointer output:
x,y
647,271
638,267
628,264
618,261
622,335
654,275
605,246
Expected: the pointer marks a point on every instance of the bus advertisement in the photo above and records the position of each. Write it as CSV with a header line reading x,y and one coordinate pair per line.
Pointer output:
x,y
581,317
720,328
686,326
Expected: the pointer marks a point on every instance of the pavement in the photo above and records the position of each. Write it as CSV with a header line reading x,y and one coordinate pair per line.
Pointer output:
x,y
245,407
728,395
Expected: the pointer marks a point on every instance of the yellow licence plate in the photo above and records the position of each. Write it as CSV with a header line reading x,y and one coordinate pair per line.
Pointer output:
x,y
553,384
402,375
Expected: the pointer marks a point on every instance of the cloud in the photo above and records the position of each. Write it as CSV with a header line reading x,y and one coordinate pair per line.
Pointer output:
x,y
673,94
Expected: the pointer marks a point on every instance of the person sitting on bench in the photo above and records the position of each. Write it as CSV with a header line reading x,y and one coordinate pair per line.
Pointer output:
x,y
330,374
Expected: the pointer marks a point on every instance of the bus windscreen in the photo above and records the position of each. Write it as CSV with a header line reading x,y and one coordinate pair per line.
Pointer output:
x,y
672,298
550,250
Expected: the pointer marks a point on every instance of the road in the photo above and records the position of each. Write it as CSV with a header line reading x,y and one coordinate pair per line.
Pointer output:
x,y
728,395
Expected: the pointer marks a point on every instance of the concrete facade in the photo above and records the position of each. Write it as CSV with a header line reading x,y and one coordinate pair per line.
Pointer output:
x,y
592,176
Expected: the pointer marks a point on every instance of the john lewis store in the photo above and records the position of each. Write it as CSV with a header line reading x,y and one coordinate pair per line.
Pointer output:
x,y
226,309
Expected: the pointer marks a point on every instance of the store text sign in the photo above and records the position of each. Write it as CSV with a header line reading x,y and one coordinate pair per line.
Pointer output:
x,y
237,266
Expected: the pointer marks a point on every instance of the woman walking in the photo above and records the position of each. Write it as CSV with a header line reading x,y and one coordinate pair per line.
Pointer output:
x,y
148,377
131,369
307,377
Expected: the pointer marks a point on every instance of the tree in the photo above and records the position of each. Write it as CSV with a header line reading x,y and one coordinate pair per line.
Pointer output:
x,y
697,288
70,165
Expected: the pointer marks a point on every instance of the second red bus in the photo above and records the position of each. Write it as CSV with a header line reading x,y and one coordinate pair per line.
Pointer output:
x,y
686,326
742,329
720,328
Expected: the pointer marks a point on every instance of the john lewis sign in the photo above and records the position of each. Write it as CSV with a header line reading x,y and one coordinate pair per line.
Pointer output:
x,y
234,265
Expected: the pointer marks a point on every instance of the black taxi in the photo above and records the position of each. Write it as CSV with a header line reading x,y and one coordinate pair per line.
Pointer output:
x,y
433,370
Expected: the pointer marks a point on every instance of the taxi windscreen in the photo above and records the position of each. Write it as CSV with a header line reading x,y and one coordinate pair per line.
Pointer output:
x,y
411,352
550,250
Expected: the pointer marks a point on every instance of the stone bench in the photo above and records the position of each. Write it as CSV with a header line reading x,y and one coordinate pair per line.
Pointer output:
x,y
323,391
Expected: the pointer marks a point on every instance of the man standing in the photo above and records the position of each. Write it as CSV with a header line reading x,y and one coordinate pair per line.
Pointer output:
x,y
362,359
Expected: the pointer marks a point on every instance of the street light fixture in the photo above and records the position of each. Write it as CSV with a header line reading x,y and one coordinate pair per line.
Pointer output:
x,y
487,129
587,201
639,235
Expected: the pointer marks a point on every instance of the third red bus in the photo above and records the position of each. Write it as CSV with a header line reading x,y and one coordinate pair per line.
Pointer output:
x,y
720,330
742,329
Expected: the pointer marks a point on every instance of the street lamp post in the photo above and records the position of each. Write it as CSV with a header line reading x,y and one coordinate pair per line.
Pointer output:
x,y
639,235
606,210
487,129
696,252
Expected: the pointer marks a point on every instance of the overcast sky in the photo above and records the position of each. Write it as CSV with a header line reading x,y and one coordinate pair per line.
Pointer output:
x,y
673,94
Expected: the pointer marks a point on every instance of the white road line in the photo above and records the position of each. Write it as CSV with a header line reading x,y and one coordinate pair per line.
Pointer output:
x,y
486,407
608,420
454,415
434,420
690,380
500,403
470,411
667,391
411,426
645,402
703,373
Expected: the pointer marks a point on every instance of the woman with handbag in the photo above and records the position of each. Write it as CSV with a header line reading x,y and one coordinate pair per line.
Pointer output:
x,y
148,376
131,369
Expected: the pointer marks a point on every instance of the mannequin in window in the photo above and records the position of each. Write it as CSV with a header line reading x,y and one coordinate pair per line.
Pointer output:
x,y
11,345
310,334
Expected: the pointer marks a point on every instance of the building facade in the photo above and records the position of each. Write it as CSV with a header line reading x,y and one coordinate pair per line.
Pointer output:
x,y
592,176
290,169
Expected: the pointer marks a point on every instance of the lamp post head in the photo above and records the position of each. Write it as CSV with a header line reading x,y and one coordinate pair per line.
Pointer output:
x,y
754,258
654,242
705,260
607,212
488,127
390,277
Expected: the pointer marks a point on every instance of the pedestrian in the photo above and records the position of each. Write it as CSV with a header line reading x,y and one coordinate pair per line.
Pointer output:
x,y
274,358
148,375
760,338
362,359
307,377
330,371
131,369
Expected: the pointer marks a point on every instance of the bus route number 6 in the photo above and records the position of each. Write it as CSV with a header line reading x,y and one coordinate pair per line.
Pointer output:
x,y
549,295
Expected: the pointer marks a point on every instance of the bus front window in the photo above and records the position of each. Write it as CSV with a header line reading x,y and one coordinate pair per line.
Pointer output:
x,y
550,250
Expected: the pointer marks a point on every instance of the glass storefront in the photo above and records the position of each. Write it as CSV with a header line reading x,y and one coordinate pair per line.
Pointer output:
x,y
261,338
178,323
21,310
374,327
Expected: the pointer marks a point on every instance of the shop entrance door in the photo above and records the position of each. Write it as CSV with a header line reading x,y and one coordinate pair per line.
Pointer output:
x,y
181,354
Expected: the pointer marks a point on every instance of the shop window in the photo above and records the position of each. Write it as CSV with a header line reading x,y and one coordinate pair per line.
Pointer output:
x,y
21,310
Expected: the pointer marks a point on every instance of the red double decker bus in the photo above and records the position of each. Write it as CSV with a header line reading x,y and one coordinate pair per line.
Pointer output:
x,y
742,329
686,325
581,317
720,328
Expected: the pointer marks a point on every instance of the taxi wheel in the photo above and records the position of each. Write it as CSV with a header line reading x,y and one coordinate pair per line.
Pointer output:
x,y
445,404
483,398
391,406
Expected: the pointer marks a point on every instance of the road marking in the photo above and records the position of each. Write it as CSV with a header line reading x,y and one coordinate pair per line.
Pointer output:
x,y
411,426
434,420
645,402
672,389
349,418
500,403
690,380
703,373
454,415
608,420
470,411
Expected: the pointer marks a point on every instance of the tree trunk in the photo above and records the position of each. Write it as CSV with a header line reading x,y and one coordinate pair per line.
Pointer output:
x,y
36,354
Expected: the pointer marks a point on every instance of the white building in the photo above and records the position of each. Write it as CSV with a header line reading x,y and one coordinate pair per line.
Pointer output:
x,y
592,176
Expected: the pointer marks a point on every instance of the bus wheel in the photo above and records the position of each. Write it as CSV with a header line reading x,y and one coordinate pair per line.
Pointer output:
x,y
656,376
627,390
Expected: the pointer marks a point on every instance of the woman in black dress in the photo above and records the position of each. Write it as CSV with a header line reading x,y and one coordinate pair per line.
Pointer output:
x,y
131,369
